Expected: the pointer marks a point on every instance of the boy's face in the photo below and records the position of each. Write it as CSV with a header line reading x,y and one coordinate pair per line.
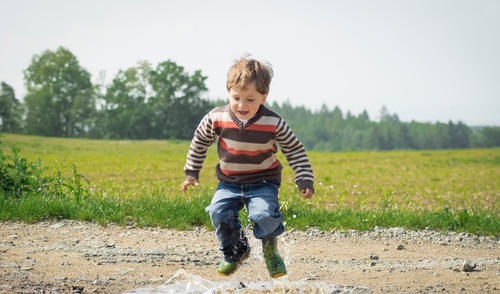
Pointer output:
x,y
245,102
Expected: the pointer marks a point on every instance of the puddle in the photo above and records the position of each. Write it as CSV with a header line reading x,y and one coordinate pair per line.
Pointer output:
x,y
184,282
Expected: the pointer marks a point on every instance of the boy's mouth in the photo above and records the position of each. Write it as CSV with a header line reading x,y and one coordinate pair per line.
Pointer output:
x,y
243,112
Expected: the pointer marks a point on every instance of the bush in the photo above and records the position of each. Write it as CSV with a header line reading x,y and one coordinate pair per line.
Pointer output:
x,y
20,177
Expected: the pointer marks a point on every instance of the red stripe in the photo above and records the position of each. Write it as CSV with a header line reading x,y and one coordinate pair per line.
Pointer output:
x,y
262,128
239,152
225,125
229,172
252,127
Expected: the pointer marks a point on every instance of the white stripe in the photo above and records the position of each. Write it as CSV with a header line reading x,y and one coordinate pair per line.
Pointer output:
x,y
238,167
221,116
267,120
243,146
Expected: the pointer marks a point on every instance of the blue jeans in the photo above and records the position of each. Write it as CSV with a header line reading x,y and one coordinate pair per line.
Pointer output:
x,y
261,200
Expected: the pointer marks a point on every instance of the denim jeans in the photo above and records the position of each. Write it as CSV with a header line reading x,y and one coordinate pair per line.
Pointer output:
x,y
261,200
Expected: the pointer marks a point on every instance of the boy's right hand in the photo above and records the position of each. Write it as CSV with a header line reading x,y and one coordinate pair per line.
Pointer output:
x,y
307,193
187,183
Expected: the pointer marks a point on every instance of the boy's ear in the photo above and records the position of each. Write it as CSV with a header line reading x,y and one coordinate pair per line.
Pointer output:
x,y
264,98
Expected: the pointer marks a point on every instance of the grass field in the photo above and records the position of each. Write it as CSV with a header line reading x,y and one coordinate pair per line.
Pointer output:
x,y
140,181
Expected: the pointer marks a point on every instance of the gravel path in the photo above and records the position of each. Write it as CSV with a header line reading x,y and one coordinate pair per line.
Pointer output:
x,y
81,257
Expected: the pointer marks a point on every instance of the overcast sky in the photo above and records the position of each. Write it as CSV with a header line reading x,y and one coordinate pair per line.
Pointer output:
x,y
425,60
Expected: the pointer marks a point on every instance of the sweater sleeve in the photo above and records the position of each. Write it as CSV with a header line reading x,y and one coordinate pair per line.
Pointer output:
x,y
296,156
204,136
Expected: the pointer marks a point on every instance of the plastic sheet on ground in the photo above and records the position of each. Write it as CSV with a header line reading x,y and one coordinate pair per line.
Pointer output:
x,y
184,282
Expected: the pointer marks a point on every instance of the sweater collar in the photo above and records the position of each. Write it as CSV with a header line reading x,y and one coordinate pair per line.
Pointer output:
x,y
241,124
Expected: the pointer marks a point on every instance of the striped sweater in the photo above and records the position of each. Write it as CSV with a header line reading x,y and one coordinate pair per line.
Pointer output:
x,y
247,150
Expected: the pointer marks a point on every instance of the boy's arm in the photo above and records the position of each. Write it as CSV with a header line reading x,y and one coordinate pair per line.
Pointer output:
x,y
296,156
202,139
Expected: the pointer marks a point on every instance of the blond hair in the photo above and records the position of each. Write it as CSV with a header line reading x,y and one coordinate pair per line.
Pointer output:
x,y
247,70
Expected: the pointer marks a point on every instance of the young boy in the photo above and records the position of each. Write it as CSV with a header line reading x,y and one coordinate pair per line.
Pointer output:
x,y
247,134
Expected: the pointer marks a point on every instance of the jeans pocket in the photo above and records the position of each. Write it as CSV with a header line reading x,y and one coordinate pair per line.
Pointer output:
x,y
272,185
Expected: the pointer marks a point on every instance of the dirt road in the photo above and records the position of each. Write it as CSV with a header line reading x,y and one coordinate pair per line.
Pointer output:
x,y
81,257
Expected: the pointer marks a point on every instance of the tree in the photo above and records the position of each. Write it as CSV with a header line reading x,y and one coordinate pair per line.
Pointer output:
x,y
487,137
177,106
60,97
143,102
459,135
126,114
10,110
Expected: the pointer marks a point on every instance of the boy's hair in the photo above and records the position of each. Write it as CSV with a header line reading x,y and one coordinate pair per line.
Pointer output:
x,y
247,70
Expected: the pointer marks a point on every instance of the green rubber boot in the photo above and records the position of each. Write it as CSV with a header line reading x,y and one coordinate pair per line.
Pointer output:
x,y
232,261
274,262
227,267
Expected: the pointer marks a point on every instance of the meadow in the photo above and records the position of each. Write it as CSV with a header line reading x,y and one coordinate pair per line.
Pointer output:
x,y
139,182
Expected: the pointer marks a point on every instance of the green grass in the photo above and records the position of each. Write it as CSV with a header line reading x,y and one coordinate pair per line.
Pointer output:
x,y
180,213
139,181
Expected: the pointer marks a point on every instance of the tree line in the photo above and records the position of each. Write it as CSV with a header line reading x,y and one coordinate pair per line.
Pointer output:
x,y
166,102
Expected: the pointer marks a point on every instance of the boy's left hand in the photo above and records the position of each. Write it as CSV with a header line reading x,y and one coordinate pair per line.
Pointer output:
x,y
307,193
187,183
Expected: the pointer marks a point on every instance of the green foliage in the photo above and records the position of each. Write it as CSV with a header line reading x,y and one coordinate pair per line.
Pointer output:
x,y
177,105
60,99
20,177
125,112
144,102
165,102
185,213
139,182
10,110
153,210
478,222
331,130
487,137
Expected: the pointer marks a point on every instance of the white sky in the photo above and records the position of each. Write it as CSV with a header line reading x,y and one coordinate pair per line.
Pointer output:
x,y
427,60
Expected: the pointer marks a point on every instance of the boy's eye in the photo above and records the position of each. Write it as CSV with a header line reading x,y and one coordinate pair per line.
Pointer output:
x,y
236,98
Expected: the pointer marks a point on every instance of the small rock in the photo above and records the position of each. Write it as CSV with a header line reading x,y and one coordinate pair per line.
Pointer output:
x,y
400,247
468,266
397,231
76,289
61,279
57,226
26,268
374,257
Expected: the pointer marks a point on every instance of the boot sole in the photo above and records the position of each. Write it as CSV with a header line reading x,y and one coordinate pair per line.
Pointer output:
x,y
230,273
275,276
